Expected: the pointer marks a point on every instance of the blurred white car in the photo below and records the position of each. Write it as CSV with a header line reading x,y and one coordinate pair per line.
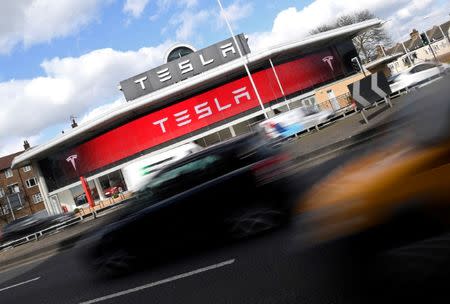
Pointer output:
x,y
417,75
290,123
143,170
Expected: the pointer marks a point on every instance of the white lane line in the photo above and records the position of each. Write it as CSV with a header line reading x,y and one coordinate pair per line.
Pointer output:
x,y
18,284
164,281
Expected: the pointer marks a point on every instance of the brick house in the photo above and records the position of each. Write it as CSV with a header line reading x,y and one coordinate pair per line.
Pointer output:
x,y
19,191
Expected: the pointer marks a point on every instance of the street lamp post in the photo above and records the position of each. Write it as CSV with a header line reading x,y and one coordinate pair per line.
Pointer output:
x,y
242,56
430,46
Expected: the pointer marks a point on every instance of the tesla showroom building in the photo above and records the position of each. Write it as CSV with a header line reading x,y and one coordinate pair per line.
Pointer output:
x,y
202,96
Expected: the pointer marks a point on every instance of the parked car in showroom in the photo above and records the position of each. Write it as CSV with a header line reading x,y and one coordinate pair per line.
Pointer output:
x,y
416,75
114,190
234,189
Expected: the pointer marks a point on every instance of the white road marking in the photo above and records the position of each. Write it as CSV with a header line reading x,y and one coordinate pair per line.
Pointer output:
x,y
18,284
164,281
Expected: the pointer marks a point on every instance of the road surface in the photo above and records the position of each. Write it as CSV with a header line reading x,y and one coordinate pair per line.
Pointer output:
x,y
274,268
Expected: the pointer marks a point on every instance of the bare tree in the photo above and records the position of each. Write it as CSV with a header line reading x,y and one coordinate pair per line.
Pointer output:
x,y
366,42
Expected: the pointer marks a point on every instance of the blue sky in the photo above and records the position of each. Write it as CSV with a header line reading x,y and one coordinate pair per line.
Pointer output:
x,y
112,28
64,57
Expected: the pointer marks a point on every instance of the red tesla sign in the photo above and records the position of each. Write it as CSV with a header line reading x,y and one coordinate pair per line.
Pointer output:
x,y
202,110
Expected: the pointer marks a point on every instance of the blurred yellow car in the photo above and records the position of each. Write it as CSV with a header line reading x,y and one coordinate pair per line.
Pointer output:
x,y
378,188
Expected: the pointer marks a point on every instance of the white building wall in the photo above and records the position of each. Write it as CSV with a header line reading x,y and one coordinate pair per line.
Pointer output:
x,y
66,199
422,54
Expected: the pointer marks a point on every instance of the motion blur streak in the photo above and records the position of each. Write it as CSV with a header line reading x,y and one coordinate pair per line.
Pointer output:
x,y
382,208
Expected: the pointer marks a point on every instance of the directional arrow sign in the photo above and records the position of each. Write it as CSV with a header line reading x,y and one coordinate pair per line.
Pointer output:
x,y
369,90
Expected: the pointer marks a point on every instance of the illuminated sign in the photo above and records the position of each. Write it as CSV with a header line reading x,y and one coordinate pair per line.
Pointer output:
x,y
183,68
191,115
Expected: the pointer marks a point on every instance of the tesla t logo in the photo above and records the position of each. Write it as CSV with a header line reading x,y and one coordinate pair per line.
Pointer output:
x,y
329,59
71,159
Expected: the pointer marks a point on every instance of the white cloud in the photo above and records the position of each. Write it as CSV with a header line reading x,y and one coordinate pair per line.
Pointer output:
x,y
35,21
70,85
135,7
237,11
101,110
187,22
189,3
165,4
15,144
412,8
294,23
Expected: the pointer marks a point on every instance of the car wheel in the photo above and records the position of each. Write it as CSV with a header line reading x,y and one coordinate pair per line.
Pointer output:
x,y
114,263
254,221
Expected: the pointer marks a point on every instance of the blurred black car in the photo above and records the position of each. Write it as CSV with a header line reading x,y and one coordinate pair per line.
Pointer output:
x,y
234,189
27,225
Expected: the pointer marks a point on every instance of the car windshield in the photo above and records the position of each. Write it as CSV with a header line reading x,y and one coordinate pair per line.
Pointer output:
x,y
185,169
393,78
173,173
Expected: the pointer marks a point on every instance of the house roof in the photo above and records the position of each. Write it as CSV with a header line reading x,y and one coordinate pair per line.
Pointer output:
x,y
414,43
382,60
6,161
445,27
434,34
396,49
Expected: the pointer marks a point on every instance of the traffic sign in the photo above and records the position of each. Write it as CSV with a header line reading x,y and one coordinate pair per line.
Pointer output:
x,y
369,90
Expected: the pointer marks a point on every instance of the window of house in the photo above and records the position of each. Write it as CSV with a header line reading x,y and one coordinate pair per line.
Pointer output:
x,y
37,198
31,182
9,173
14,188
2,192
26,168
5,209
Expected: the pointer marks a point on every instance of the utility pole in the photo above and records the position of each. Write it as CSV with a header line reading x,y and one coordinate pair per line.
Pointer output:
x,y
242,56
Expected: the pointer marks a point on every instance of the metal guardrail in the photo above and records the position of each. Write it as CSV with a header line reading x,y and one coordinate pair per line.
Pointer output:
x,y
36,235
58,227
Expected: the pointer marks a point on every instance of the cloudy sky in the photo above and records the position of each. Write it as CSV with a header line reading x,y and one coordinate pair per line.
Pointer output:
x,y
65,57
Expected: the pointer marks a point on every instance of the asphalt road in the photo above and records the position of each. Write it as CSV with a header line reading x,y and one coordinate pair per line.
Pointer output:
x,y
269,269
274,268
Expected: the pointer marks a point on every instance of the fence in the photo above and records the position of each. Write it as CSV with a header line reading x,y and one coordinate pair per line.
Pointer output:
x,y
36,235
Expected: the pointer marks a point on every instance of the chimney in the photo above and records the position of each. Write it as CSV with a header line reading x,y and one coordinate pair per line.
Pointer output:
x,y
414,34
380,51
74,123
26,145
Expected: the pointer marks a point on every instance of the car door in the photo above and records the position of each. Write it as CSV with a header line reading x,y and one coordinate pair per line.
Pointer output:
x,y
178,195
425,71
